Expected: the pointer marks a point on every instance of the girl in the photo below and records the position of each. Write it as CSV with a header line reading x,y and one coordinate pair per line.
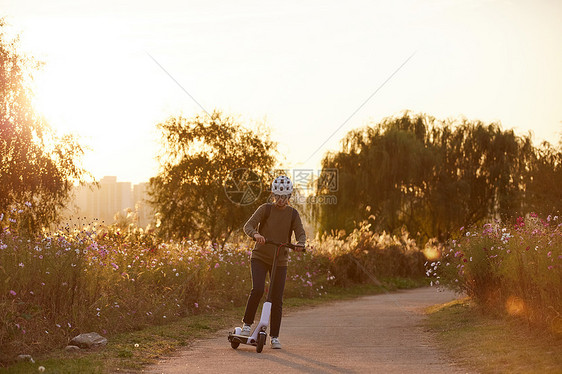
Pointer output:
x,y
276,222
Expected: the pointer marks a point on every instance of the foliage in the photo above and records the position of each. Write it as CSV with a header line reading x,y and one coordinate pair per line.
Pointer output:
x,y
199,154
544,192
38,167
97,278
365,256
432,177
509,269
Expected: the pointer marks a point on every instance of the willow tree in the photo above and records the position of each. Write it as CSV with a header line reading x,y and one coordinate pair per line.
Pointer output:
x,y
430,177
544,193
482,174
198,155
381,172
38,168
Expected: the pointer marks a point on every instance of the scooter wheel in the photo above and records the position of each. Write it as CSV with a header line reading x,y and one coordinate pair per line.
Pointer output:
x,y
234,345
262,336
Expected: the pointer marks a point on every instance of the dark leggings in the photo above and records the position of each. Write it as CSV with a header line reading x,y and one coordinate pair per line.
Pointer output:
x,y
259,271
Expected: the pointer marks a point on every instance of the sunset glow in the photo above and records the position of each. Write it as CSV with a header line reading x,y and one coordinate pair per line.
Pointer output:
x,y
306,68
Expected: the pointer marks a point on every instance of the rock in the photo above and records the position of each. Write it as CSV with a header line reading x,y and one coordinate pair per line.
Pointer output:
x,y
72,348
25,358
89,340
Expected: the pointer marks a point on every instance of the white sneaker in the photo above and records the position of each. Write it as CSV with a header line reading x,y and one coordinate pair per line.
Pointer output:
x,y
246,330
275,343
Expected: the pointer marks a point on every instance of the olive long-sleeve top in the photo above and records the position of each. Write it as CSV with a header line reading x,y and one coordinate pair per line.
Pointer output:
x,y
276,228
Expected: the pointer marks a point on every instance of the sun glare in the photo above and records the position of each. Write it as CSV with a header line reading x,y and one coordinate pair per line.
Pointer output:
x,y
63,87
431,253
52,99
515,306
92,86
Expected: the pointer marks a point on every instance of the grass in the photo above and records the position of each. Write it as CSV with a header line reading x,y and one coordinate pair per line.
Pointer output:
x,y
122,355
493,344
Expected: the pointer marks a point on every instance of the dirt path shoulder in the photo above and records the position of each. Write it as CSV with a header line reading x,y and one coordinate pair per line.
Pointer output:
x,y
373,334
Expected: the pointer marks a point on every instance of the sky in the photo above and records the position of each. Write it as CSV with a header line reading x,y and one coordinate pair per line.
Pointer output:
x,y
114,69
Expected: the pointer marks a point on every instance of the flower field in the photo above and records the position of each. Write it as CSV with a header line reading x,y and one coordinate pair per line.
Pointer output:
x,y
97,278
508,269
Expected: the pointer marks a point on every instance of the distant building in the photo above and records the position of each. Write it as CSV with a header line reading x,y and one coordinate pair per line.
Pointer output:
x,y
142,208
102,203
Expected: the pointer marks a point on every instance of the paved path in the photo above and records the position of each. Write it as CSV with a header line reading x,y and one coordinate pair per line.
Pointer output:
x,y
373,334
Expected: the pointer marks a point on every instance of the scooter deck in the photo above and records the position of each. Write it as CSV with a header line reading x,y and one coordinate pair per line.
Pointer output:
x,y
240,339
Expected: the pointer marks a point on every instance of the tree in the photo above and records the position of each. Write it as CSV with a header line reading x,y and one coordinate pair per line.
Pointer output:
x,y
482,174
544,193
38,167
382,173
428,177
199,156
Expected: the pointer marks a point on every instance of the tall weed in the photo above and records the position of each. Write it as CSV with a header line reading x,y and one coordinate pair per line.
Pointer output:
x,y
108,279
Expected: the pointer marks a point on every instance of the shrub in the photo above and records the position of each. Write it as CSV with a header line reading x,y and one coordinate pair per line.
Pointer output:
x,y
514,269
364,254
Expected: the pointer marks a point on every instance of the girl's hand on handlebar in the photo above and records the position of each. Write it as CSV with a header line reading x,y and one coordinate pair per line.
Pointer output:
x,y
259,239
299,248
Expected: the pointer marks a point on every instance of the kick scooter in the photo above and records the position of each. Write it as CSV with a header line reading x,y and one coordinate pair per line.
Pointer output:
x,y
259,335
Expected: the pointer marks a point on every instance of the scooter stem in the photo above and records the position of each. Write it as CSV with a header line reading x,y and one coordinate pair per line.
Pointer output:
x,y
273,271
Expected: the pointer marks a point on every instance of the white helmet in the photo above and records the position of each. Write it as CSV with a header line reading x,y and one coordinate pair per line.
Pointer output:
x,y
282,185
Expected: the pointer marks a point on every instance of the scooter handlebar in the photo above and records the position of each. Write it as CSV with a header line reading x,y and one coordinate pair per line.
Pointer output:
x,y
288,245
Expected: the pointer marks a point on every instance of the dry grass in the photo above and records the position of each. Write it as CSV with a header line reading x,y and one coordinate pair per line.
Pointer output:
x,y
493,344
